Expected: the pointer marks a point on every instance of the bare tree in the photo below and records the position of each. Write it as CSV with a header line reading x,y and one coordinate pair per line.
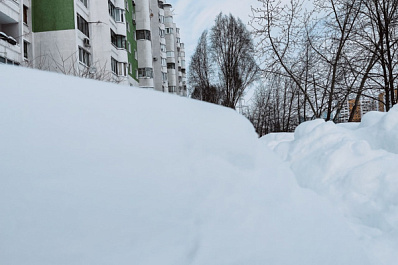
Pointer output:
x,y
69,65
279,29
233,51
223,65
273,108
382,16
318,49
340,21
201,73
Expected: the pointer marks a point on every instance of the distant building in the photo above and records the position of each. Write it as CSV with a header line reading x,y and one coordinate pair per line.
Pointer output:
x,y
132,42
365,105
382,100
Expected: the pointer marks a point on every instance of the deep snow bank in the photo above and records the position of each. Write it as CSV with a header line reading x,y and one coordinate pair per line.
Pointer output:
x,y
95,173
354,165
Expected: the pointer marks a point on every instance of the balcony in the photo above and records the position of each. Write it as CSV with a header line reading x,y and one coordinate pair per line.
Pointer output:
x,y
9,17
9,48
9,12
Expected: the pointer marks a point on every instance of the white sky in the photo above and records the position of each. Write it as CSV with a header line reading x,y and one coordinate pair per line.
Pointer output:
x,y
194,16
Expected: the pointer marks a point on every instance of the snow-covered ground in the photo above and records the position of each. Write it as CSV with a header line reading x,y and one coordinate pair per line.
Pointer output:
x,y
355,166
96,173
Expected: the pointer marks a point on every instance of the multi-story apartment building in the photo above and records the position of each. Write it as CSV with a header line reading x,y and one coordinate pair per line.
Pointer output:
x,y
86,38
15,33
364,106
130,42
162,64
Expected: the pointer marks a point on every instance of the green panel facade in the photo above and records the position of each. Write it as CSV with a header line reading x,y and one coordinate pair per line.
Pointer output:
x,y
130,17
51,15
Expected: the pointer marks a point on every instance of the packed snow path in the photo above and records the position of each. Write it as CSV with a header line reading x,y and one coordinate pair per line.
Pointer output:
x,y
95,173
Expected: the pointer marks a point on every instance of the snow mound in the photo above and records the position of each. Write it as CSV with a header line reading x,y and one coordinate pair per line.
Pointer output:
x,y
95,173
354,166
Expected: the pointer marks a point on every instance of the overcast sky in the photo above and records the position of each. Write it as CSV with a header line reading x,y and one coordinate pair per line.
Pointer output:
x,y
194,16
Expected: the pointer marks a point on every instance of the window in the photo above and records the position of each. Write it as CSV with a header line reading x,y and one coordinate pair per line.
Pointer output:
x,y
172,89
162,47
168,20
25,14
119,15
169,30
178,40
160,4
164,77
177,30
25,49
84,56
143,34
84,2
170,54
145,72
161,32
171,66
5,61
161,19
111,8
125,66
114,65
82,25
164,62
116,13
118,68
118,40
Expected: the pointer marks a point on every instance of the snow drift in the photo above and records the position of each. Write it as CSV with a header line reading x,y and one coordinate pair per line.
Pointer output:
x,y
355,166
95,173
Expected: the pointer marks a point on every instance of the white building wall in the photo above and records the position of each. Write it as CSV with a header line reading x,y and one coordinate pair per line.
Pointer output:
x,y
11,29
177,59
27,35
144,47
56,51
101,24
183,69
170,47
158,38
59,50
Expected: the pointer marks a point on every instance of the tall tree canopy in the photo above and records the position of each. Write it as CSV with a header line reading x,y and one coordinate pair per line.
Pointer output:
x,y
223,65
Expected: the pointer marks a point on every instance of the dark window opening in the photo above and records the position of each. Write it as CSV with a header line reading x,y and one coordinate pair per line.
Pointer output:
x,y
143,34
82,25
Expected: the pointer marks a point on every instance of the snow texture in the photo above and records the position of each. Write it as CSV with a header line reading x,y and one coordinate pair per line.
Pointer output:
x,y
96,173
355,166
